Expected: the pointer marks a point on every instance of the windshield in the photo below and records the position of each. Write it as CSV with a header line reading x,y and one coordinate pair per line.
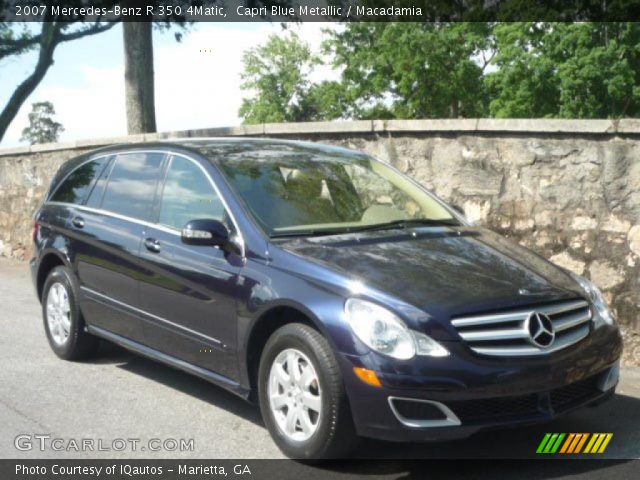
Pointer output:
x,y
314,193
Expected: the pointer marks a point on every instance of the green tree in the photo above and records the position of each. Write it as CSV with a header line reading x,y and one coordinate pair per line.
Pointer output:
x,y
412,70
42,127
566,70
276,77
327,100
450,70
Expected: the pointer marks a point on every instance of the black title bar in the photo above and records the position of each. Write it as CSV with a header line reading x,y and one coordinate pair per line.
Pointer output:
x,y
320,10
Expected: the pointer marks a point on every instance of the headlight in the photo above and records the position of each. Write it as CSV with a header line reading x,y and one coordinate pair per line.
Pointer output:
x,y
384,332
595,295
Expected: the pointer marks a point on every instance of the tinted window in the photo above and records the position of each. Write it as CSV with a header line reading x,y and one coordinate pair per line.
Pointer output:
x,y
95,197
188,195
132,184
75,188
302,193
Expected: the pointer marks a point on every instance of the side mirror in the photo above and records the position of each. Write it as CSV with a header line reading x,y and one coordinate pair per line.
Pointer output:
x,y
205,232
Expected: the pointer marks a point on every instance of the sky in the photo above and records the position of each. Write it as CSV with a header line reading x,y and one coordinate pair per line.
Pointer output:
x,y
194,89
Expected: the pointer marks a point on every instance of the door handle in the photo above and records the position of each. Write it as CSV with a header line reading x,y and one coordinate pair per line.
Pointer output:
x,y
152,245
78,222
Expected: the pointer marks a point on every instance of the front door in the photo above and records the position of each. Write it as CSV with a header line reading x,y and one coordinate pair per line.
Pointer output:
x,y
189,291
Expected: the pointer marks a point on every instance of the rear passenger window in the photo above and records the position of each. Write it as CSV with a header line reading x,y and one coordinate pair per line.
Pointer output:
x,y
132,184
95,197
76,186
188,195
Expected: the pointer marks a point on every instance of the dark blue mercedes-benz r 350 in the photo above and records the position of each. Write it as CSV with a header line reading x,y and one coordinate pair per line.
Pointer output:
x,y
335,292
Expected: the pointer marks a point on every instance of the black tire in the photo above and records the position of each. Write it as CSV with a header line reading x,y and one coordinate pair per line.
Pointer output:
x,y
335,434
79,344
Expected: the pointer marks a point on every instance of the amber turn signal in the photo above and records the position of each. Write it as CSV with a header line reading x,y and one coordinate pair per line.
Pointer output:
x,y
367,376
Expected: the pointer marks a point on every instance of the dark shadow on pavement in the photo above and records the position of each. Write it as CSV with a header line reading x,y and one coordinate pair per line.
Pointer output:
x,y
179,380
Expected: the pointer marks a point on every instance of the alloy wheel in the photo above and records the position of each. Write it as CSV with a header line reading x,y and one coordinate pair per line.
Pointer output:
x,y
58,313
295,395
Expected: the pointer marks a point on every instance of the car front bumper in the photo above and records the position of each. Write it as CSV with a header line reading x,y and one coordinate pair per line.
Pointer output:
x,y
472,392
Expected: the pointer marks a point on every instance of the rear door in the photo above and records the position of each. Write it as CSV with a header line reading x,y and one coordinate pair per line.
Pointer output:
x,y
63,204
64,210
189,291
106,241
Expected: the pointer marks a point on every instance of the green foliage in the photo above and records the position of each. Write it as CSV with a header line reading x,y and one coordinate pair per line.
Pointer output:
x,y
412,70
523,85
277,75
42,127
449,70
14,39
566,70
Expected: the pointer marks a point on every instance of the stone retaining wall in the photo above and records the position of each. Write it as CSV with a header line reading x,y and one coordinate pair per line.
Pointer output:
x,y
568,189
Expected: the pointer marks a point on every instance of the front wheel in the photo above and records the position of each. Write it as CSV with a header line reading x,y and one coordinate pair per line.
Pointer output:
x,y
302,397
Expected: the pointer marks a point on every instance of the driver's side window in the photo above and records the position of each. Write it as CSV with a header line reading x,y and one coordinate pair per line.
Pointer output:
x,y
188,195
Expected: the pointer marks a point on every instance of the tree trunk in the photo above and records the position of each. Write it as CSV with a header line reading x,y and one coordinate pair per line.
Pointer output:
x,y
454,109
138,74
48,41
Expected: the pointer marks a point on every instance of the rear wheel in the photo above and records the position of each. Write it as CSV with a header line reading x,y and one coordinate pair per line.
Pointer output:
x,y
63,322
302,397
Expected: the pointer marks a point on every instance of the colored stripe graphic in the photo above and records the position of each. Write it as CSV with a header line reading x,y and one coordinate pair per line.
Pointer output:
x,y
596,447
567,443
543,443
605,442
576,439
598,443
550,443
555,447
593,439
573,443
581,443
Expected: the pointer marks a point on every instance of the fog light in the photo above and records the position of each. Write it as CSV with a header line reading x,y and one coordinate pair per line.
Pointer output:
x,y
367,376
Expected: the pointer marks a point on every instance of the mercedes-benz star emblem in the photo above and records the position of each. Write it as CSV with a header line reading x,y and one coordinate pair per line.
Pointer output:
x,y
540,328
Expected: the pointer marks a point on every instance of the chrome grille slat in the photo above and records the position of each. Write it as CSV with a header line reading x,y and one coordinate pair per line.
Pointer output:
x,y
484,319
519,315
490,335
569,321
506,333
567,340
562,307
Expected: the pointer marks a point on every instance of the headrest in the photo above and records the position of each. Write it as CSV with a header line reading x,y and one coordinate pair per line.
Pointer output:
x,y
304,184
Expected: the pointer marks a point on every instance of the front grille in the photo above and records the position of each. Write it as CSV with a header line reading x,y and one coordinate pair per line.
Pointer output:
x,y
574,394
508,333
497,409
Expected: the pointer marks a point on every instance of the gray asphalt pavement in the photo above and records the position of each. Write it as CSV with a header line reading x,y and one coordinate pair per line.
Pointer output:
x,y
123,396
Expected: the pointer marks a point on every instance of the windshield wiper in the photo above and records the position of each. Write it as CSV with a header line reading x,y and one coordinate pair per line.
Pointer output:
x,y
311,233
414,222
451,222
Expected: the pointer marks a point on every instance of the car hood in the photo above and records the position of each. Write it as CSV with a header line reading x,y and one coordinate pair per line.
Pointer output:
x,y
444,271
